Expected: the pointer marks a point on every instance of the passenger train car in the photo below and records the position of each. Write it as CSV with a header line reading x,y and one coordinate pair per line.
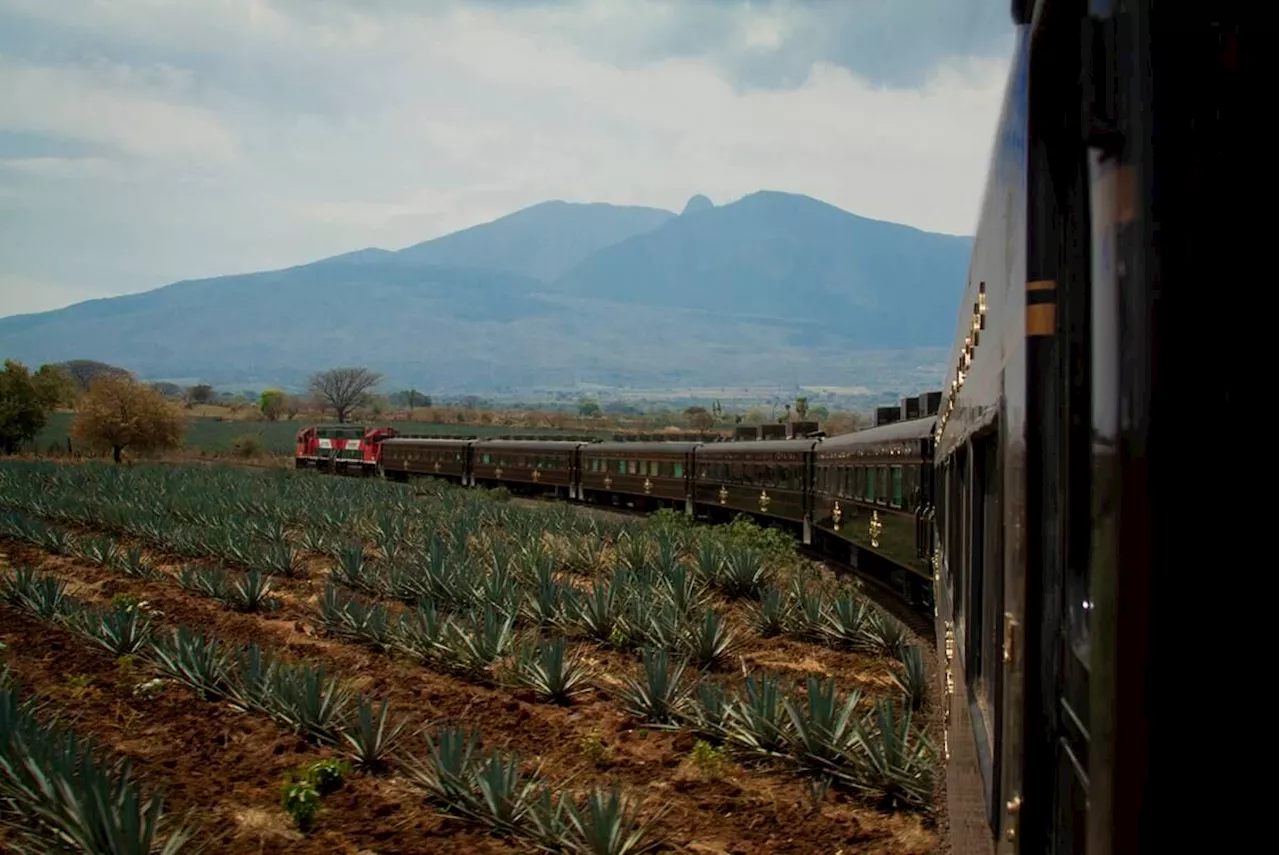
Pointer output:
x,y
1038,507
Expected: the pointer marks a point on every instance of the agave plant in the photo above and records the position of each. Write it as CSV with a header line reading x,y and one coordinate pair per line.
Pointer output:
x,y
659,694
192,659
743,573
551,674
505,796
448,771
122,630
132,562
353,570
207,581
305,698
709,640
912,679
60,795
772,615
251,592
609,824
371,737
897,759
475,642
41,594
821,733
757,719
845,621
883,634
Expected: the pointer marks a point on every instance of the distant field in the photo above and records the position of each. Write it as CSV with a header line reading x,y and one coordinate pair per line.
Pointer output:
x,y
214,435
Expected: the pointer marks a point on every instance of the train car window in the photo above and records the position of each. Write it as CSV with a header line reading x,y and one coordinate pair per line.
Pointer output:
x,y
869,482
677,470
895,486
484,458
984,582
631,467
622,467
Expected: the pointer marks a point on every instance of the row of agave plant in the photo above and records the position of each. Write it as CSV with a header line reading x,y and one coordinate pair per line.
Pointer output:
x,y
880,753
487,786
456,550
60,792
464,614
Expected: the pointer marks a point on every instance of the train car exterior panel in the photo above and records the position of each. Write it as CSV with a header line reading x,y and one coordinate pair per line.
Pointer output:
x,y
980,507
766,478
552,465
873,489
442,458
646,470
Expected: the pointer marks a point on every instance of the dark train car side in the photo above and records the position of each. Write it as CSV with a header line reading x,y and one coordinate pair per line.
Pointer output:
x,y
549,466
641,475
449,459
769,479
872,500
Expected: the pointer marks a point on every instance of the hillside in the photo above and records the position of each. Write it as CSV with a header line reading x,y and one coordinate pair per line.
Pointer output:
x,y
772,288
543,241
788,258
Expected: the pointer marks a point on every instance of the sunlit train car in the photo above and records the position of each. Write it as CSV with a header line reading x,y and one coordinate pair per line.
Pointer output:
x,y
449,459
873,498
642,475
767,478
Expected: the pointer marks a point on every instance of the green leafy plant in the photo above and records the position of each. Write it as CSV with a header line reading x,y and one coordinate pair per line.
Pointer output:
x,y
300,799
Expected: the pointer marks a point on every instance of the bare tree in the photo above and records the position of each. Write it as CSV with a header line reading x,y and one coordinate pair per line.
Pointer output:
x,y
343,389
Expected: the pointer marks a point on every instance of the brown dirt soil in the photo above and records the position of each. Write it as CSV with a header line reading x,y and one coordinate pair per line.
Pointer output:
x,y
220,767
746,811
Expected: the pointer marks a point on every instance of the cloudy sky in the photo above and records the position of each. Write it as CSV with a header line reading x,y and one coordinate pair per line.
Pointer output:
x,y
146,141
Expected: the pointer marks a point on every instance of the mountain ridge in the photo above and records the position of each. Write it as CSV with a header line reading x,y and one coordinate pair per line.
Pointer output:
x,y
769,285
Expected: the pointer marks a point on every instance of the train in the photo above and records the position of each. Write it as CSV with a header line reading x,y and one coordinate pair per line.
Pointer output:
x,y
863,499
1045,506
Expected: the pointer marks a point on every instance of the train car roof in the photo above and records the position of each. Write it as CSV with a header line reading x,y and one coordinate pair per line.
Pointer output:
x,y
532,444
678,447
892,432
424,440
755,446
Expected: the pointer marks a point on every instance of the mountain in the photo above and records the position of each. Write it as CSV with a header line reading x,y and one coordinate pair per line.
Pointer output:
x,y
784,257
772,288
543,241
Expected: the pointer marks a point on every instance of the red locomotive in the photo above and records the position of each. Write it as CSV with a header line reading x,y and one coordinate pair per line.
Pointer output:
x,y
341,447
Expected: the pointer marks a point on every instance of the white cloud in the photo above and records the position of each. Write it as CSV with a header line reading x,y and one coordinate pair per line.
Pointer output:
x,y
226,137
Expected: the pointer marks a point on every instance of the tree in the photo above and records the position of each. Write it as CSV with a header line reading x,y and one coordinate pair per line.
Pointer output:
x,y
169,390
57,386
271,402
119,413
588,408
343,389
201,393
293,405
85,371
26,401
409,398
700,418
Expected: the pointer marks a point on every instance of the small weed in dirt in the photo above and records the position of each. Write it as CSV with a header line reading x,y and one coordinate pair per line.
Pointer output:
x,y
125,601
127,666
300,799
328,775
594,749
707,759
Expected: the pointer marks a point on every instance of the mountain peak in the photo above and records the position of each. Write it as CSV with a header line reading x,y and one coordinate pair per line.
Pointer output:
x,y
697,204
